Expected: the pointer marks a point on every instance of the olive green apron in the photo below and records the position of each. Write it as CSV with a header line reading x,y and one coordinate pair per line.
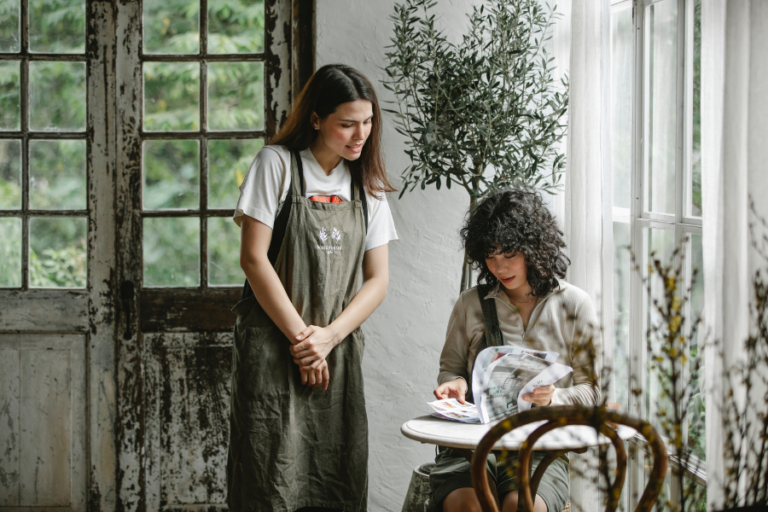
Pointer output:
x,y
291,447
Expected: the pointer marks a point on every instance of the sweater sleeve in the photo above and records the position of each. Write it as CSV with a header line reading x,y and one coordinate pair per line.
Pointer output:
x,y
586,355
453,359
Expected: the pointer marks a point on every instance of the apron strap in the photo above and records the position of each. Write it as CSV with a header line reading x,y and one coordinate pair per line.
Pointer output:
x,y
300,175
363,199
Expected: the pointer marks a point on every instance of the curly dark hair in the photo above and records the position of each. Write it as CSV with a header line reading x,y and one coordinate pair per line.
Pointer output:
x,y
517,221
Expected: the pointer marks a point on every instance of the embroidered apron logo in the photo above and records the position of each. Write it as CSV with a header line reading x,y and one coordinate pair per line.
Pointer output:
x,y
335,237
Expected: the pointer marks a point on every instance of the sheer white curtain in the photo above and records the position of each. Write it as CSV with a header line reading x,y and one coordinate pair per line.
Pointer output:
x,y
582,40
734,132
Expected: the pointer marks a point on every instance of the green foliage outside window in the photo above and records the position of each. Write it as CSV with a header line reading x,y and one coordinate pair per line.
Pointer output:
x,y
57,102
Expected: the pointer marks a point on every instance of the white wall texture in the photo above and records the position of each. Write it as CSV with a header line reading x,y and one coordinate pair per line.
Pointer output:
x,y
405,335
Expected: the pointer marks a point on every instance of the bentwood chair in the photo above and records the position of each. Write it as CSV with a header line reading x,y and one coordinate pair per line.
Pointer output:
x,y
599,418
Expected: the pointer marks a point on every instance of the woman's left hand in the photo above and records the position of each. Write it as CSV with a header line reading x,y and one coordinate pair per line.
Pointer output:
x,y
541,396
313,346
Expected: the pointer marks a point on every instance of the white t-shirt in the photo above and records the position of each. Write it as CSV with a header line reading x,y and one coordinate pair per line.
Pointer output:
x,y
269,179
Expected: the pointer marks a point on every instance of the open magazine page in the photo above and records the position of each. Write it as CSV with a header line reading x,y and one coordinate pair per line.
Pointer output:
x,y
491,354
503,376
452,409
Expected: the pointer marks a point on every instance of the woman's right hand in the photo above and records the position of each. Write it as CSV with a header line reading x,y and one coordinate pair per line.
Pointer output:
x,y
316,377
455,388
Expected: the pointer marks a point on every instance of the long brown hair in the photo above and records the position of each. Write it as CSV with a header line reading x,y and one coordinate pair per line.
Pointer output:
x,y
327,88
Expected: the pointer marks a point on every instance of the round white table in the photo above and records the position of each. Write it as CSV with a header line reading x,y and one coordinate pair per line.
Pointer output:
x,y
454,434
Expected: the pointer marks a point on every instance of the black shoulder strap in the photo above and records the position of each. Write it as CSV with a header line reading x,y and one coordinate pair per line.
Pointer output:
x,y
281,223
493,336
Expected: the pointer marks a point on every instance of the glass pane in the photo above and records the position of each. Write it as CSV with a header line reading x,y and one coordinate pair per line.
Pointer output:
x,y
236,96
10,42
57,175
235,26
695,188
57,252
171,96
228,163
621,271
621,106
10,174
661,106
57,26
170,26
172,251
224,252
661,245
696,416
57,96
10,108
10,253
171,170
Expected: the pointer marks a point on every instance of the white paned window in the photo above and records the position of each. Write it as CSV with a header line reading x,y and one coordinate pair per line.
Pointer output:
x,y
655,137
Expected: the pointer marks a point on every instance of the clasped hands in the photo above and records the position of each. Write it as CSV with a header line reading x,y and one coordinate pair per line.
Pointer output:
x,y
457,389
309,351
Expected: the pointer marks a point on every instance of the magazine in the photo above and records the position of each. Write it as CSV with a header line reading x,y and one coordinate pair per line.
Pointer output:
x,y
455,410
500,379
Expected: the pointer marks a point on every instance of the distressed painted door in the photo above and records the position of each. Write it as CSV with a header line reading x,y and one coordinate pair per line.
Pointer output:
x,y
57,256
125,127
201,84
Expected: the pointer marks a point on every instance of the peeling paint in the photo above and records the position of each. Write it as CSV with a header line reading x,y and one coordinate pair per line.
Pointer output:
x,y
187,400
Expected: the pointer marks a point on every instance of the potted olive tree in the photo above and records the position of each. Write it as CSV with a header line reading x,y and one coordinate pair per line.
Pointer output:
x,y
483,114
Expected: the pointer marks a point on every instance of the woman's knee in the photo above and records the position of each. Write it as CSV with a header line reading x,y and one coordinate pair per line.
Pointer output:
x,y
461,500
510,503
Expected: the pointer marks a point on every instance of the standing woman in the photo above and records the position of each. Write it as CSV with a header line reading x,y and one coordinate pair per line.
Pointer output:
x,y
312,214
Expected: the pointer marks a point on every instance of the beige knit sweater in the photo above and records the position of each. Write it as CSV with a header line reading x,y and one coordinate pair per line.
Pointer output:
x,y
563,321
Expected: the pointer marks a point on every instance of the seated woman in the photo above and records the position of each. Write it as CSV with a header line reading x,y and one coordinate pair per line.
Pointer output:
x,y
514,241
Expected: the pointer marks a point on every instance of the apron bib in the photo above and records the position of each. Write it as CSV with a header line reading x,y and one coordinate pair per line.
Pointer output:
x,y
291,447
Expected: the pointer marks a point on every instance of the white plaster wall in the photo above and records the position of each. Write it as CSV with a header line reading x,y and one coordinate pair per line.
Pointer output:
x,y
405,335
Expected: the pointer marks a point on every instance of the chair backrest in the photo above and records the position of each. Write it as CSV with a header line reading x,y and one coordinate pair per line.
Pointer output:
x,y
556,417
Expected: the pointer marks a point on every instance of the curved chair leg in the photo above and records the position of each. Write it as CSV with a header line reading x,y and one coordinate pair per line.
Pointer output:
x,y
542,467
525,498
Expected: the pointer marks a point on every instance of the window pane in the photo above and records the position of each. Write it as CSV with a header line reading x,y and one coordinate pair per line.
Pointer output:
x,y
171,170
10,174
228,163
57,26
224,252
236,96
10,253
172,251
171,96
621,277
235,26
10,42
661,106
57,96
10,108
57,252
696,425
57,175
695,186
171,26
621,106
661,245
